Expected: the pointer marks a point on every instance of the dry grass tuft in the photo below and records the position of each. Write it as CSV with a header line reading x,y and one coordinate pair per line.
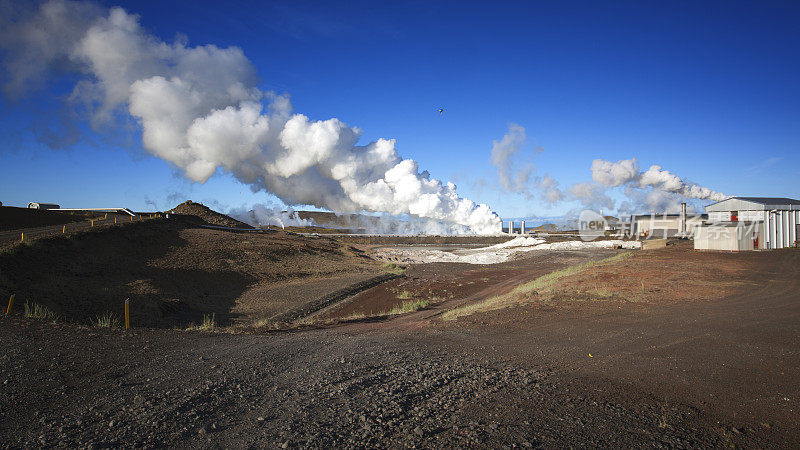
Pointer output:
x,y
37,311
393,268
355,316
209,323
107,320
409,306
405,294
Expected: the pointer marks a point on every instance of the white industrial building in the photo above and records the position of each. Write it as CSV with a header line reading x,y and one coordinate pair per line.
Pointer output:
x,y
748,223
665,225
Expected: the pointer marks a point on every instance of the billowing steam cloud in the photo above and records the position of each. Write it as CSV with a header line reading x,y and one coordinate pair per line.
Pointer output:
x,y
200,109
655,189
261,215
626,172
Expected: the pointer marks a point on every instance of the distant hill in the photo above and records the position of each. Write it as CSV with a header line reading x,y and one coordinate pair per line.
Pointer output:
x,y
207,215
333,220
546,227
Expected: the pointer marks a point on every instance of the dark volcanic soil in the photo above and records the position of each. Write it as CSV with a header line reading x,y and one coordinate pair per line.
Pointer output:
x,y
671,369
313,389
207,215
174,273
13,218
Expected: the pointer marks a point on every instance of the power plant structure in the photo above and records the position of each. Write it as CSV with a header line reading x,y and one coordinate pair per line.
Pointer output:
x,y
665,225
521,227
40,205
750,223
55,207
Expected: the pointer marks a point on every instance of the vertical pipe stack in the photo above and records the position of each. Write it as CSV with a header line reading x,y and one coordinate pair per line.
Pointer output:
x,y
522,228
683,219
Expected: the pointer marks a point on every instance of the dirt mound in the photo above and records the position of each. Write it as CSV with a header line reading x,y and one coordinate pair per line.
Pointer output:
x,y
207,215
13,218
175,273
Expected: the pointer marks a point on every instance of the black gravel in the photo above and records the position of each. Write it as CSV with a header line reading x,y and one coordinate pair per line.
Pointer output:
x,y
81,387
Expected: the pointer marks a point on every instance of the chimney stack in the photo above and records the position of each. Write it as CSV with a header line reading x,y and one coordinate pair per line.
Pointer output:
x,y
683,219
510,227
522,228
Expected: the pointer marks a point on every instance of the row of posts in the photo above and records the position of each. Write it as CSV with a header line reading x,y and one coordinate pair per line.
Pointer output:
x,y
511,227
91,221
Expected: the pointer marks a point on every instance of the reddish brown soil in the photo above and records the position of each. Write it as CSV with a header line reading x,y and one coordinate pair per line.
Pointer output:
x,y
734,357
455,284
717,332
654,276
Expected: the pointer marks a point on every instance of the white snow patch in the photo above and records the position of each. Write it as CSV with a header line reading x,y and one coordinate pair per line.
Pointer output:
x,y
493,254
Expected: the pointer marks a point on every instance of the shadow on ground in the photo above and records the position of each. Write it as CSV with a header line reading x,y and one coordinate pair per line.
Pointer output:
x,y
84,276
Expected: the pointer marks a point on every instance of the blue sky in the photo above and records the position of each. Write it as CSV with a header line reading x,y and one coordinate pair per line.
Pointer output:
x,y
707,90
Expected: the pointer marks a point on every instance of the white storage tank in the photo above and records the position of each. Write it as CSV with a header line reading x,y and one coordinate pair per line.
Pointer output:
x,y
38,205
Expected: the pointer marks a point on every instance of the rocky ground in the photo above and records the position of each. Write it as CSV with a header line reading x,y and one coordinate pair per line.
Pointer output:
x,y
82,388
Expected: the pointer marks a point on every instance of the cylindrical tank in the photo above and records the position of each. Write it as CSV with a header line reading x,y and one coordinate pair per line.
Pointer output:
x,y
36,205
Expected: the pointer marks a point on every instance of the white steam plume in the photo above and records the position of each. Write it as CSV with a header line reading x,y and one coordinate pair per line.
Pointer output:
x,y
261,215
590,195
412,226
626,172
518,177
200,109
502,154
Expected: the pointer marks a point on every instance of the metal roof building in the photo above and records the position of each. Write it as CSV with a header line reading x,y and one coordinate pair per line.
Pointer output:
x,y
770,222
664,225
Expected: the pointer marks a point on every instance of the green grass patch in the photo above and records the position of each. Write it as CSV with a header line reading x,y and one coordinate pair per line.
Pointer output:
x,y
409,306
522,293
601,293
393,268
404,294
402,308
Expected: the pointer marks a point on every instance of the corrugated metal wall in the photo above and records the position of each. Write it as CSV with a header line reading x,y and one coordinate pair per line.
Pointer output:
x,y
722,237
781,228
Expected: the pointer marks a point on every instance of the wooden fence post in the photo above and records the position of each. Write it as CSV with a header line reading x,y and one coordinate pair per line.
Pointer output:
x,y
127,313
